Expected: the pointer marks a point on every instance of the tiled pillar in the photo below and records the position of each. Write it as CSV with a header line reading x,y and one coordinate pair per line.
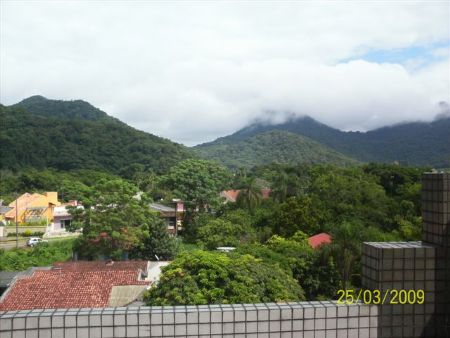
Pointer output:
x,y
416,266
393,266
436,230
436,208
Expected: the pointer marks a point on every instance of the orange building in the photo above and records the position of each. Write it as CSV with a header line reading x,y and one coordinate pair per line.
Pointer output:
x,y
33,207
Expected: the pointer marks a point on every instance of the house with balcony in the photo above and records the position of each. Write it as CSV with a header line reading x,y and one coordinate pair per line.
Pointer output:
x,y
62,218
172,214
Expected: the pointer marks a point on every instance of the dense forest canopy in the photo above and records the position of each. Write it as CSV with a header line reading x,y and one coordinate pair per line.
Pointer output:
x,y
415,143
274,146
365,203
70,135
372,202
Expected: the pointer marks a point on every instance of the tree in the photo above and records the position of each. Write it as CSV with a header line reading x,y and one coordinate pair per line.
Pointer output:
x,y
297,213
250,196
239,177
289,185
314,272
133,171
220,232
198,183
159,244
201,277
280,191
393,177
115,221
346,248
349,194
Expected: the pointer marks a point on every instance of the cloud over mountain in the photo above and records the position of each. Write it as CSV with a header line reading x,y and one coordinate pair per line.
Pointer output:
x,y
195,71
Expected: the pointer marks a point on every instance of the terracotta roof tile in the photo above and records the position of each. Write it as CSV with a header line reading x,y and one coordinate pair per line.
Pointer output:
x,y
319,239
231,195
101,265
72,285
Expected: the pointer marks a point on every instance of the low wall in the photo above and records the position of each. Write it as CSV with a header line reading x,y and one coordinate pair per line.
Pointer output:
x,y
23,228
294,320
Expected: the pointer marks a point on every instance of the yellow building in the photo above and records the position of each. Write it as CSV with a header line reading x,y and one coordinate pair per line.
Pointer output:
x,y
33,207
3,210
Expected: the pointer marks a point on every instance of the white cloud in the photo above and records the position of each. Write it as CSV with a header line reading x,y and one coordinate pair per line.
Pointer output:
x,y
196,71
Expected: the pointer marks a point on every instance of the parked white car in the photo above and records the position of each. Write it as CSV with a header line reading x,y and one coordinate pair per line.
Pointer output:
x,y
34,241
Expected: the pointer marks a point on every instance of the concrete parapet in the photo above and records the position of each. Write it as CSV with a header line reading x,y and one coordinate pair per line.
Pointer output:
x,y
302,319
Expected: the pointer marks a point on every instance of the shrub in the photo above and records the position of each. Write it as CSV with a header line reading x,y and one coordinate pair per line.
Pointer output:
x,y
202,277
44,254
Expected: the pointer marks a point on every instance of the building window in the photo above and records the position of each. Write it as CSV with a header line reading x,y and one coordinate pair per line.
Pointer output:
x,y
171,225
65,223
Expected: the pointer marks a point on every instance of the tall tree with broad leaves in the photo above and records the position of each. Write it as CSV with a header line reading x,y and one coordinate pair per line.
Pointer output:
x,y
198,183
115,221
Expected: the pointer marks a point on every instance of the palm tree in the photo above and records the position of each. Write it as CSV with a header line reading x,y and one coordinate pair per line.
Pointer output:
x,y
240,174
250,196
280,186
345,248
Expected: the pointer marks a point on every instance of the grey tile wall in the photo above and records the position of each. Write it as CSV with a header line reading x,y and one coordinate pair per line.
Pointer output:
x,y
294,320
436,208
436,230
409,266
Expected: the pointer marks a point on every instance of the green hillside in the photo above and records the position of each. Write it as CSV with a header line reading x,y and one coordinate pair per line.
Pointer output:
x,y
68,135
415,143
75,109
271,146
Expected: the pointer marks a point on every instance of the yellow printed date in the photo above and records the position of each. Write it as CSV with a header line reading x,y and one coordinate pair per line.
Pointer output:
x,y
377,297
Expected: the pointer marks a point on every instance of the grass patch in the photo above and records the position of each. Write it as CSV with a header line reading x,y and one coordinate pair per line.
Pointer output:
x,y
44,254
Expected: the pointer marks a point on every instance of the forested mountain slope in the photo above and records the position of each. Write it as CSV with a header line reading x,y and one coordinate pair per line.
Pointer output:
x,y
68,135
416,143
275,146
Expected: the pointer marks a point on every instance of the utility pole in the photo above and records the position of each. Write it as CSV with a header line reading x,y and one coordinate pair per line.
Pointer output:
x,y
176,200
17,224
176,218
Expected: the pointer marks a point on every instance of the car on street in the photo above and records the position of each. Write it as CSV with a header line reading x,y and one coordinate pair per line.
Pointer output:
x,y
32,241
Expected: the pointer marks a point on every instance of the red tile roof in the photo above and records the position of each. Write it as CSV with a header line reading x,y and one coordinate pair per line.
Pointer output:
x,y
265,193
231,195
319,239
72,285
102,265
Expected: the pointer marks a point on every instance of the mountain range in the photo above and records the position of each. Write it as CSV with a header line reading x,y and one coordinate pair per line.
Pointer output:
x,y
415,143
65,135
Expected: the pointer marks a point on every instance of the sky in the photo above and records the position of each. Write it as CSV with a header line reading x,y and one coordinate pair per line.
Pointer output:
x,y
195,71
